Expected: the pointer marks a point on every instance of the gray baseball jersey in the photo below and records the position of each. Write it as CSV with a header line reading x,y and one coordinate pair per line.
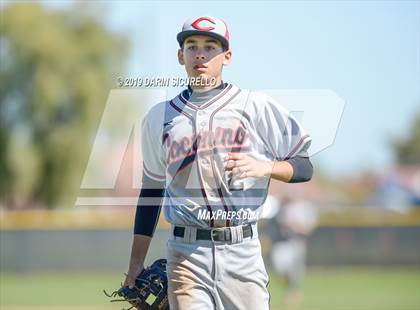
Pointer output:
x,y
185,145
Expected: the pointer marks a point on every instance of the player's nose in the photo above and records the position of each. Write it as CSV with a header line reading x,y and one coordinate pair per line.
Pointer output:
x,y
200,56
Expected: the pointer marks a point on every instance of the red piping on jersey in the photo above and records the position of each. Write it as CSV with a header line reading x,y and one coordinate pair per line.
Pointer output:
x,y
203,192
212,162
205,105
296,147
157,176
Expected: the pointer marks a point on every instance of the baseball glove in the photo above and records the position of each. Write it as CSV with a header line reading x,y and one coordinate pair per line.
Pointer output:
x,y
150,291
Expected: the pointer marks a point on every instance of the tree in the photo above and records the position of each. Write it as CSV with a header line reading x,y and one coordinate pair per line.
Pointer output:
x,y
407,151
56,70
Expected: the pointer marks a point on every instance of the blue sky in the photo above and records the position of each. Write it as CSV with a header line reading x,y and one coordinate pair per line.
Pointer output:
x,y
366,52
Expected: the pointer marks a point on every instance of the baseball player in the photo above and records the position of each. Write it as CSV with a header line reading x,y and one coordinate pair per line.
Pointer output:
x,y
208,157
291,227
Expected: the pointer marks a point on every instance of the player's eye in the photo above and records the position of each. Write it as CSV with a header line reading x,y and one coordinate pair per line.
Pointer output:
x,y
210,48
192,48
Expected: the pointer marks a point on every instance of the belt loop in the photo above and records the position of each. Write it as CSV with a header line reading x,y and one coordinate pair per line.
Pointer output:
x,y
254,230
233,237
193,235
236,233
240,233
190,234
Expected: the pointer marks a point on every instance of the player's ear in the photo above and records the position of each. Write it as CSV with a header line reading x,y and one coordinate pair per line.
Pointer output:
x,y
181,57
227,58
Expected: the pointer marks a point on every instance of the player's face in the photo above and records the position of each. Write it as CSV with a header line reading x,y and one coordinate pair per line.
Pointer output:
x,y
203,57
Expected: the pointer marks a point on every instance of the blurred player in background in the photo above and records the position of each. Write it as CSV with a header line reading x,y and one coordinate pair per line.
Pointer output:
x,y
293,223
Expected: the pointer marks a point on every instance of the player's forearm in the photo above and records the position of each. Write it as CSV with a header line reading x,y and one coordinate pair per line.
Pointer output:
x,y
146,218
280,170
293,170
148,207
139,250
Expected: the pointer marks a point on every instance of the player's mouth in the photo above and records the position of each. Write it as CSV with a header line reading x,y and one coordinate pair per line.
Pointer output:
x,y
200,68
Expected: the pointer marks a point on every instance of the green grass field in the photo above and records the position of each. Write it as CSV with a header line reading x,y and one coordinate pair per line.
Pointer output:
x,y
324,289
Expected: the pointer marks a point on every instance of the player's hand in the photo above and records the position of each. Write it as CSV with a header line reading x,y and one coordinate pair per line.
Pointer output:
x,y
130,279
243,166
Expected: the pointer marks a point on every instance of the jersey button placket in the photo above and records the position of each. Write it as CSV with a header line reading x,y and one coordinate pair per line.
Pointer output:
x,y
203,163
203,125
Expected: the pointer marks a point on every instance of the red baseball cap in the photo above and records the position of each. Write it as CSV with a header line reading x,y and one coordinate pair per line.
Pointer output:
x,y
205,25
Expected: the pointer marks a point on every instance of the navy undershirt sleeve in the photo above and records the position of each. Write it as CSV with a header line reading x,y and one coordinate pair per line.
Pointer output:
x,y
148,206
302,169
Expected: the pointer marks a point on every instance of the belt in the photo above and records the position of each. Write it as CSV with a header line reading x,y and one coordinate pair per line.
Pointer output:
x,y
214,234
